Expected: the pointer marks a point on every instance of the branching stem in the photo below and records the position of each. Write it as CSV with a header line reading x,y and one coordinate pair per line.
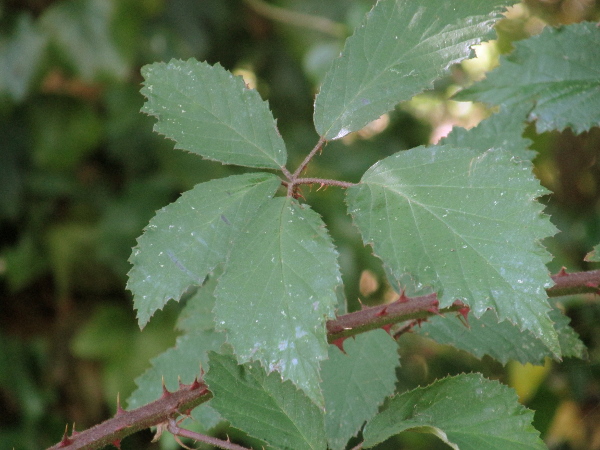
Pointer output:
x,y
405,309
294,179
174,429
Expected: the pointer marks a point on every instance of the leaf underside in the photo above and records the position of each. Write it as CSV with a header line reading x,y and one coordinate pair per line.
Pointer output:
x,y
207,110
187,239
356,382
467,412
264,406
277,291
400,50
558,70
464,223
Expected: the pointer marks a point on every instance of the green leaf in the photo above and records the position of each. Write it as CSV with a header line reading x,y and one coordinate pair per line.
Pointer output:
x,y
208,111
466,412
558,69
502,341
82,31
197,313
277,291
356,383
502,130
465,223
187,239
594,255
401,48
21,54
264,406
183,362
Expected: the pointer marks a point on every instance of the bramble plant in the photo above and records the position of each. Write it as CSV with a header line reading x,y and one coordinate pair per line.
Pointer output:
x,y
457,226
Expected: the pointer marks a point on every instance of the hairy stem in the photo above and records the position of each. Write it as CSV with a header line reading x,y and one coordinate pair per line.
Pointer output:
x,y
172,404
310,156
125,423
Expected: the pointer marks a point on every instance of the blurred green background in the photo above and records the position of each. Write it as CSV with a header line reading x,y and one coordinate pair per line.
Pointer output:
x,y
81,174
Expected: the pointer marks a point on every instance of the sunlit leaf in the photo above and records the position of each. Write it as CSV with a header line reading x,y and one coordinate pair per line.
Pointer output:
x,y
467,412
356,382
558,70
187,239
208,111
465,223
277,290
264,406
400,50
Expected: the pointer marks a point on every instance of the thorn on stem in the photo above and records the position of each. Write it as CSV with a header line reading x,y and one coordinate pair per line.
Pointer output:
x,y
165,391
403,298
383,312
562,272
65,439
339,343
120,410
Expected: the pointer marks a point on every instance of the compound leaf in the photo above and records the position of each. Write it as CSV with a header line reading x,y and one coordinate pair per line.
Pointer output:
x,y
465,223
277,290
264,406
557,69
501,130
355,383
187,239
467,412
502,340
207,110
401,48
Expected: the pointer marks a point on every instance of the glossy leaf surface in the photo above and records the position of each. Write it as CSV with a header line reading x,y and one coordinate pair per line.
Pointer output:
x,y
465,223
277,290
207,110
400,50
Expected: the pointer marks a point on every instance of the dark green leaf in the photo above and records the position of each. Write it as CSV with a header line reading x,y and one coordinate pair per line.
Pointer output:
x,y
466,412
187,239
465,223
208,111
502,130
277,291
400,50
558,70
264,406
355,383
502,341
183,362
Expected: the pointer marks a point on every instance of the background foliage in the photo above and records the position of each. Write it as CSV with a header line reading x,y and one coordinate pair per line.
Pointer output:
x,y
81,173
